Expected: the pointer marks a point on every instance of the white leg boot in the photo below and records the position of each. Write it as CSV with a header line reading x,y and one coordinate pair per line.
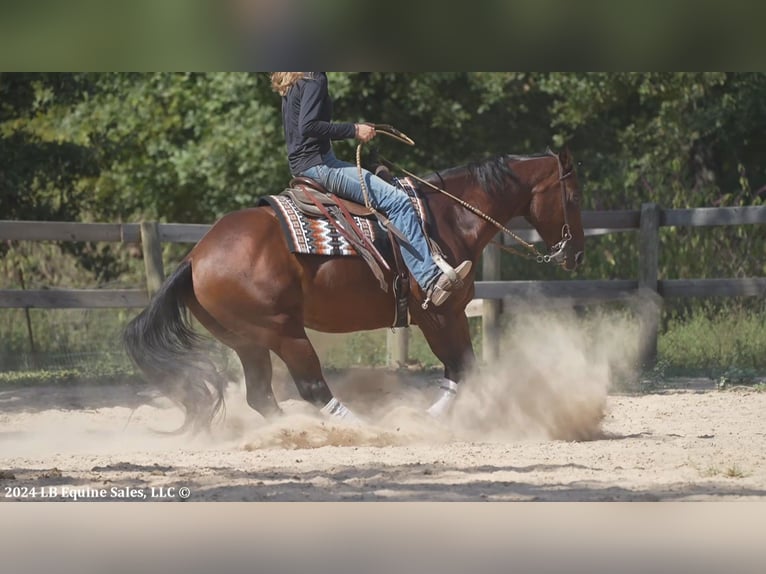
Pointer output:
x,y
337,409
447,395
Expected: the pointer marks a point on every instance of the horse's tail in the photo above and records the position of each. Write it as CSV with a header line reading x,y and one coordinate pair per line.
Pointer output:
x,y
163,345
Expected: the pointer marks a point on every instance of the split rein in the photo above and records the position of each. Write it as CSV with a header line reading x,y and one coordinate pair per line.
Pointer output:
x,y
557,254
391,132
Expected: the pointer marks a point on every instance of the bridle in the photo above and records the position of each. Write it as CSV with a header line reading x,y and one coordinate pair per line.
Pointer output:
x,y
557,252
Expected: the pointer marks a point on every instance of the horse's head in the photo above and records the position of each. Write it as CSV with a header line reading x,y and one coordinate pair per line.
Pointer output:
x,y
554,211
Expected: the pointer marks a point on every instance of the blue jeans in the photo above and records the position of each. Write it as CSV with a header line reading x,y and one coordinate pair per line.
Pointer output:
x,y
342,178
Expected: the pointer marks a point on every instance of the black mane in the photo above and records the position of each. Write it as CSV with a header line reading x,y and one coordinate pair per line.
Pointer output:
x,y
494,174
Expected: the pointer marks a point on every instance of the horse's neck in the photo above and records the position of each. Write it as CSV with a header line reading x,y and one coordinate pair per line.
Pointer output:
x,y
473,230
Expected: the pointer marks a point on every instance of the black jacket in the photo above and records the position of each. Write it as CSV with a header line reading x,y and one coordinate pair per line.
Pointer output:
x,y
307,119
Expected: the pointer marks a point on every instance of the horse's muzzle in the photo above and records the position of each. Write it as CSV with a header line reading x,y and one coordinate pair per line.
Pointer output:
x,y
573,260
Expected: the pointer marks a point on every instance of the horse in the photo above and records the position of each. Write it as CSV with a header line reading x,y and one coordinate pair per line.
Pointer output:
x,y
247,289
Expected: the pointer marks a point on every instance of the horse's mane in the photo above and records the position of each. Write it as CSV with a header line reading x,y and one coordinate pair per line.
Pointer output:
x,y
494,173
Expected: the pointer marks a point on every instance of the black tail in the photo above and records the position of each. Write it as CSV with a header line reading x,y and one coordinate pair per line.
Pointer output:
x,y
163,345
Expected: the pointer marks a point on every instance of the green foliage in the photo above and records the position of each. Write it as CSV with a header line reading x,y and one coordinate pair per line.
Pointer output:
x,y
40,177
87,373
715,339
192,146
179,147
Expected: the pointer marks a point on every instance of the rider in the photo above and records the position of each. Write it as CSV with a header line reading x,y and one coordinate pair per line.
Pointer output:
x,y
309,130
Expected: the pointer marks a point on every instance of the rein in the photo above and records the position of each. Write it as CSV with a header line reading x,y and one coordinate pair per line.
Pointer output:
x,y
391,132
557,251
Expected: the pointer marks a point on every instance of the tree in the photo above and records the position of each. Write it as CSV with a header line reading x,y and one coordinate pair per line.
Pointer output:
x,y
191,147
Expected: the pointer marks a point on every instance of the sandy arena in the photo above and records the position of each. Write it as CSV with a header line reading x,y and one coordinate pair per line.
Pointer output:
x,y
543,424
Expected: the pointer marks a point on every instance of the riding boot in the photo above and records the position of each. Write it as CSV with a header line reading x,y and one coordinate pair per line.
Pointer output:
x,y
444,286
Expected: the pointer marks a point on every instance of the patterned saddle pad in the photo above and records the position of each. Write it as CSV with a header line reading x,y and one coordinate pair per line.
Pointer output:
x,y
318,236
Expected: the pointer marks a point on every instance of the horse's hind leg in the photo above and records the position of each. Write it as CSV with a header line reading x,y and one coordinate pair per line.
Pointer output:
x,y
301,359
255,359
256,364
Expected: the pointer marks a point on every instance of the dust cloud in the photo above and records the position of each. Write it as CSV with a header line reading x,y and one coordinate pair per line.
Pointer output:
x,y
550,382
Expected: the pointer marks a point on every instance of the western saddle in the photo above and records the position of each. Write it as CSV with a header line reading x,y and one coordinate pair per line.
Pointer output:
x,y
313,199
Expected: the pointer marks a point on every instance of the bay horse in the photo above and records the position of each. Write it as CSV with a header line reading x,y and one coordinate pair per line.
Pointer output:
x,y
244,285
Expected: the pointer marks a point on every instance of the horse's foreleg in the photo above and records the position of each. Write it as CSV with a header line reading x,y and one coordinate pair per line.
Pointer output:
x,y
256,364
449,337
303,363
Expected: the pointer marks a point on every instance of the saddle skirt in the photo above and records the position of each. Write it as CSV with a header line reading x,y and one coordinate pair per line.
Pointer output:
x,y
308,230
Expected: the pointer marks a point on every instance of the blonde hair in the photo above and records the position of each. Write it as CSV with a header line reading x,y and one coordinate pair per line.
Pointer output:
x,y
281,82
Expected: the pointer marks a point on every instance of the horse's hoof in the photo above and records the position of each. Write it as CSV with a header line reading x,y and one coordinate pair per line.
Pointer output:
x,y
267,410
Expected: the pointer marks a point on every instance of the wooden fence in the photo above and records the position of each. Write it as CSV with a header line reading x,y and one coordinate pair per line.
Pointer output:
x,y
646,290
489,290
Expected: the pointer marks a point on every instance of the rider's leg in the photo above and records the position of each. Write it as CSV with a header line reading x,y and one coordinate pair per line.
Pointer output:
x,y
342,178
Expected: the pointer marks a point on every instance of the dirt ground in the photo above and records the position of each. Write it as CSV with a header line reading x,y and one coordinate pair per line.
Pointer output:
x,y
542,422
101,443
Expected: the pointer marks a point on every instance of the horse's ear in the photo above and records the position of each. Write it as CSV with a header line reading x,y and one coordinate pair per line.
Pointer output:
x,y
565,157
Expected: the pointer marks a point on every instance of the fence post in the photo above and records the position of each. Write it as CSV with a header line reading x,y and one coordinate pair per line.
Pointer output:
x,y
152,250
398,343
28,317
650,302
490,271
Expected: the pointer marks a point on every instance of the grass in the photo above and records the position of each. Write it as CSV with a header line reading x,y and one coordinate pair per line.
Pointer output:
x,y
718,343
712,471
734,471
86,374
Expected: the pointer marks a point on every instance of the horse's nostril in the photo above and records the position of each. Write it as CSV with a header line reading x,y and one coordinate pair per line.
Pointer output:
x,y
579,257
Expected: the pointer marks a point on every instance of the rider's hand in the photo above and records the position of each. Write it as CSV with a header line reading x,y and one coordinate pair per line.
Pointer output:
x,y
364,132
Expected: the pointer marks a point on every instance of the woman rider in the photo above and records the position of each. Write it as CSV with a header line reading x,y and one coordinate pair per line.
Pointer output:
x,y
309,131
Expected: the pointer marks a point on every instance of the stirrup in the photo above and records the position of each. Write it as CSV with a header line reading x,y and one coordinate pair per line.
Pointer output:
x,y
438,294
446,268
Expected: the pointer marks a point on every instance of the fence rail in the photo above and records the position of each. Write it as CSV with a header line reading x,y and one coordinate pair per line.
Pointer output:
x,y
489,291
574,291
617,220
73,298
587,291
